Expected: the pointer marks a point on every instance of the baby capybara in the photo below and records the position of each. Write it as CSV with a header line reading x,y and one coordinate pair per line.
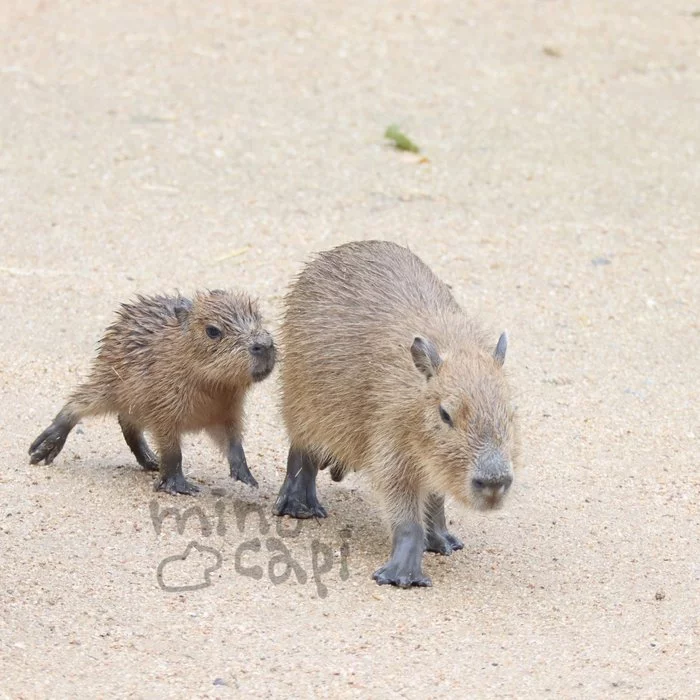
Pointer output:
x,y
171,365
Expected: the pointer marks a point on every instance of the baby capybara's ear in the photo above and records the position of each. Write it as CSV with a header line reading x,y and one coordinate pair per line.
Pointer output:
x,y
182,311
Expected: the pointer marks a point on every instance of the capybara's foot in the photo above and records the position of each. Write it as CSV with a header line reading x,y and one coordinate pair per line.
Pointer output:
x,y
297,497
442,542
396,574
240,472
48,445
297,503
239,465
404,567
176,484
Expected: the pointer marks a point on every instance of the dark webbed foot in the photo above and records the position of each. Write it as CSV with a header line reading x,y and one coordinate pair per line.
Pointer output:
x,y
171,479
442,542
297,497
437,538
404,567
176,484
395,575
239,465
298,507
150,462
242,473
48,445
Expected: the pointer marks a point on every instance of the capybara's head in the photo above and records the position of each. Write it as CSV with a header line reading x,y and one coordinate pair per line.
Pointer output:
x,y
227,339
467,427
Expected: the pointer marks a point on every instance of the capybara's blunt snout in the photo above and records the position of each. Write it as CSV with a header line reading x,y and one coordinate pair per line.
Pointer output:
x,y
262,346
491,480
263,354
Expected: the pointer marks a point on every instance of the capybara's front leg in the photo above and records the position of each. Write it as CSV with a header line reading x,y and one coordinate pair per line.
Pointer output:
x,y
404,566
405,508
437,537
171,479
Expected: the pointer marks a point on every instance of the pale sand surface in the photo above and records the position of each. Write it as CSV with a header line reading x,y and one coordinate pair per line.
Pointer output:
x,y
140,143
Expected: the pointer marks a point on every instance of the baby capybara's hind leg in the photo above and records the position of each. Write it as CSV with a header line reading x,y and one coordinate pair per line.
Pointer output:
x,y
297,497
138,445
47,446
86,400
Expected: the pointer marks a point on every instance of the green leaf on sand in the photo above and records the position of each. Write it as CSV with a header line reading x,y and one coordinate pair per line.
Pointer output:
x,y
401,141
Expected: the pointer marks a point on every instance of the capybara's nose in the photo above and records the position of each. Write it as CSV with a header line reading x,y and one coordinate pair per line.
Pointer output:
x,y
261,347
496,484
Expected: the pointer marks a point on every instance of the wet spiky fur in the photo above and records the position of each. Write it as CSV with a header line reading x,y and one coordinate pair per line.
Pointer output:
x,y
159,371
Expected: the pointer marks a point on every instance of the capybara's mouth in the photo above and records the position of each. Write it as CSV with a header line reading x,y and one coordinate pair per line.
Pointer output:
x,y
488,501
263,365
260,373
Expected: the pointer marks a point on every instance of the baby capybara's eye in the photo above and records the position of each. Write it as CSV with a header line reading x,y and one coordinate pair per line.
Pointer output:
x,y
213,332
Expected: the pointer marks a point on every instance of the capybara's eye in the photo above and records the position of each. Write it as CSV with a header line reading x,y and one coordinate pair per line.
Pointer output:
x,y
213,332
446,418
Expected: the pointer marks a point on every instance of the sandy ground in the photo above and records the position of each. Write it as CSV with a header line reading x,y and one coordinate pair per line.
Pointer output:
x,y
152,146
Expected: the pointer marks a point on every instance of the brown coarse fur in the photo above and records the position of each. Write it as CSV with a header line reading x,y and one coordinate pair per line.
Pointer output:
x,y
167,380
353,395
171,365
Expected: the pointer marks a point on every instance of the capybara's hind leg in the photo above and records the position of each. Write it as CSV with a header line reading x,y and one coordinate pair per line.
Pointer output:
x,y
338,471
138,445
87,400
47,446
297,497
437,538
238,463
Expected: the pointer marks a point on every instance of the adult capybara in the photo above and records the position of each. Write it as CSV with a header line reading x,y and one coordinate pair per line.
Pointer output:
x,y
384,373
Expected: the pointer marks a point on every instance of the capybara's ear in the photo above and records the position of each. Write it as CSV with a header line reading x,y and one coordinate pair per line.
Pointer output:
x,y
182,312
499,354
425,356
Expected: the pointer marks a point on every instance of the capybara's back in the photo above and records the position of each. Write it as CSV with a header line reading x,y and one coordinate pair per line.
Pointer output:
x,y
385,373
346,325
349,322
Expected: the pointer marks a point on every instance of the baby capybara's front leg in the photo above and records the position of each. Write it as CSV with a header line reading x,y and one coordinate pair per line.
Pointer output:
x,y
171,478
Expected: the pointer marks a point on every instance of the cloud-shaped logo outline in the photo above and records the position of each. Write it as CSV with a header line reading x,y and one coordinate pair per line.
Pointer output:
x,y
181,557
